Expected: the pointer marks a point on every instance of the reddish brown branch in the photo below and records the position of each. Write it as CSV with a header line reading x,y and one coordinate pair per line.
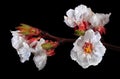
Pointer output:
x,y
64,40
112,47
55,38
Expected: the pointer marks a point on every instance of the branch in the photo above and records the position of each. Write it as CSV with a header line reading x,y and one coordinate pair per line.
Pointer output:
x,y
112,47
64,40
55,38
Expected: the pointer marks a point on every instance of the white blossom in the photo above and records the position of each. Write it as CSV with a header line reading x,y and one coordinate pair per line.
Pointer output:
x,y
99,19
16,40
74,17
91,54
24,52
40,60
24,49
40,57
20,44
82,13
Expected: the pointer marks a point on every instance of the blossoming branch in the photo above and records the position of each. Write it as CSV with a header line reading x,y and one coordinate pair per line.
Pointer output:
x,y
88,49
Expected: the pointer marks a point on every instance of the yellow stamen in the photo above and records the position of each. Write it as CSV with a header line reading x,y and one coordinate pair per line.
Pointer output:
x,y
88,47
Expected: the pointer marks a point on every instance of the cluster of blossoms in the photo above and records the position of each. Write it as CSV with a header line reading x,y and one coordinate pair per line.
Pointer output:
x,y
27,40
88,49
89,26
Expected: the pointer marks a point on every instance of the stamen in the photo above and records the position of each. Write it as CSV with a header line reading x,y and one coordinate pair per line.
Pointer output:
x,y
88,47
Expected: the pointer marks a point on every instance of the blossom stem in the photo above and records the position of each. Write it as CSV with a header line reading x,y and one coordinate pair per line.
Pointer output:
x,y
68,40
112,47
55,38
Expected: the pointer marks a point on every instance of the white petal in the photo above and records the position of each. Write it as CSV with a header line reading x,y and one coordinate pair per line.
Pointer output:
x,y
99,19
24,52
70,13
79,42
40,57
89,34
17,42
40,60
15,33
83,61
73,55
95,60
69,21
41,41
99,49
38,46
80,58
92,36
82,13
79,11
97,36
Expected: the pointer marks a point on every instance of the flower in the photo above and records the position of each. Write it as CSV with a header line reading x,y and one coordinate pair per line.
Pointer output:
x,y
20,44
16,39
77,16
40,55
24,49
88,50
42,50
36,45
40,60
24,52
99,19
83,18
28,30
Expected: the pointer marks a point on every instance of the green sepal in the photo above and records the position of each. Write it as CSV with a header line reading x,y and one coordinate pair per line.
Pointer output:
x,y
47,46
79,32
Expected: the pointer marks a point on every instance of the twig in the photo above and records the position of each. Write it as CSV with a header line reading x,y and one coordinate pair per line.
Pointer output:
x,y
64,40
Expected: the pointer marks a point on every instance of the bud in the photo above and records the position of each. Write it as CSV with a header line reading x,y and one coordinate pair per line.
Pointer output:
x,y
28,30
50,46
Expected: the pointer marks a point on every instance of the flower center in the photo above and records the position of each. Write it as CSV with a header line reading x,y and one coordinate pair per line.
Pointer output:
x,y
88,47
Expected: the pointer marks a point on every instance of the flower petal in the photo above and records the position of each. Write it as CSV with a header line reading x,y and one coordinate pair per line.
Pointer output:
x,y
24,52
95,60
87,59
89,35
40,60
99,19
73,55
69,21
16,40
99,49
83,61
82,13
70,13
39,43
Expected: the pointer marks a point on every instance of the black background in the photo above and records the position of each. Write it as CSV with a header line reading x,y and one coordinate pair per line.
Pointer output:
x,y
48,16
